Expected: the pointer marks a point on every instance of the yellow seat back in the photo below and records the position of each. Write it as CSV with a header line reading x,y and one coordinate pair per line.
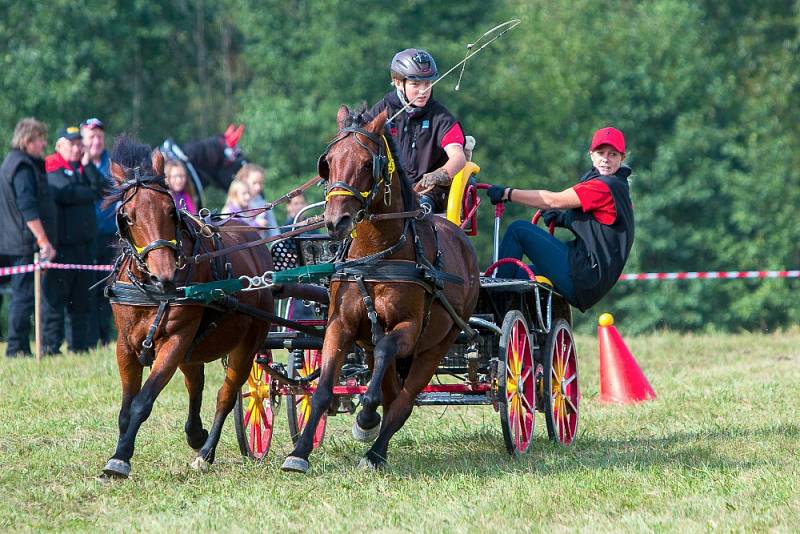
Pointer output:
x,y
455,198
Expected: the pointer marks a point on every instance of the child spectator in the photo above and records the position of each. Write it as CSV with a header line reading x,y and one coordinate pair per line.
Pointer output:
x,y
238,200
175,175
295,205
253,175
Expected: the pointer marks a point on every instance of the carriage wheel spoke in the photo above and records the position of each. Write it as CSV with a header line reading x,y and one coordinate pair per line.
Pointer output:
x,y
527,374
523,429
571,406
567,361
527,404
568,381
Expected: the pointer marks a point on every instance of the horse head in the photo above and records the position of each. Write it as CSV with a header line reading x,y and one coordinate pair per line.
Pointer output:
x,y
354,165
217,159
147,217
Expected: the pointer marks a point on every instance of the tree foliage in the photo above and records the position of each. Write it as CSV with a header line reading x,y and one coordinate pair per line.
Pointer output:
x,y
708,94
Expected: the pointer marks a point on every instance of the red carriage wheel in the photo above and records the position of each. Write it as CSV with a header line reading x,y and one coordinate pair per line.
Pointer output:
x,y
561,393
298,407
253,414
516,384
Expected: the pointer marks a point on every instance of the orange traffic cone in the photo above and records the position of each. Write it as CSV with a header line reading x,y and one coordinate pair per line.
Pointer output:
x,y
621,379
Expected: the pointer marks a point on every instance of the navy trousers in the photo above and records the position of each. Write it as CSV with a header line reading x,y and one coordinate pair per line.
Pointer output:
x,y
550,256
20,307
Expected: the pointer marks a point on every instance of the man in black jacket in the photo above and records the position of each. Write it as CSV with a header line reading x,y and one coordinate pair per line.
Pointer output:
x,y
74,189
27,219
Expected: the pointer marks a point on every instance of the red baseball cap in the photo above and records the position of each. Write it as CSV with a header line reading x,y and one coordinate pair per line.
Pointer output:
x,y
608,136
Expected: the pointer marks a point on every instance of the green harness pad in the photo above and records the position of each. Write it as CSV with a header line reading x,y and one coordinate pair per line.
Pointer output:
x,y
306,273
211,291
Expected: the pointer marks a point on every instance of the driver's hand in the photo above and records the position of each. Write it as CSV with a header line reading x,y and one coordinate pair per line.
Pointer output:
x,y
553,217
429,180
496,194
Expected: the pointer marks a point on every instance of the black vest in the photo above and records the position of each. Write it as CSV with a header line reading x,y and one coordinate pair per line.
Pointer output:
x,y
419,137
600,251
16,239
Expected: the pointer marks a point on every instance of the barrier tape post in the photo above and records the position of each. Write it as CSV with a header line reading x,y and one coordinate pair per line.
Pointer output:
x,y
37,309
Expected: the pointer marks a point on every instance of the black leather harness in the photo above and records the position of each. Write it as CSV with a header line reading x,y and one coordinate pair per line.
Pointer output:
x,y
376,267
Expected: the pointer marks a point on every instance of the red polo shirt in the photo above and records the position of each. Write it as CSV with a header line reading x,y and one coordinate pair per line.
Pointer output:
x,y
595,197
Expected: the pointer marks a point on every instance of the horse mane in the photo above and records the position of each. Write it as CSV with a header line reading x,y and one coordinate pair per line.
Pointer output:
x,y
129,153
360,118
207,155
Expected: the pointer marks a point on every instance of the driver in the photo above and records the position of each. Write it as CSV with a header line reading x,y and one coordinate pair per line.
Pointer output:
x,y
598,210
430,139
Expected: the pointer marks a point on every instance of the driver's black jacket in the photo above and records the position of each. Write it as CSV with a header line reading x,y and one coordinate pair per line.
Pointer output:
x,y
418,136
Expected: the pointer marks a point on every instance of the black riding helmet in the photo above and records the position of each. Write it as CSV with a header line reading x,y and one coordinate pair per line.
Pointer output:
x,y
414,64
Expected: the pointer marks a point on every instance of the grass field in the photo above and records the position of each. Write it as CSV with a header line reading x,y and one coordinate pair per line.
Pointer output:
x,y
718,450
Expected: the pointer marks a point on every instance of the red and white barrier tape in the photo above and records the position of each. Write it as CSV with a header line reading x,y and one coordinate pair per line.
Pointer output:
x,y
699,275
21,269
710,275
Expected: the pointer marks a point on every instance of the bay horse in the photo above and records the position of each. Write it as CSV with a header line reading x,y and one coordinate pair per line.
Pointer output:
x,y
156,239
403,270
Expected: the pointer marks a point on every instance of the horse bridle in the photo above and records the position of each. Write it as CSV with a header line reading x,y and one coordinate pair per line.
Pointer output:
x,y
139,254
383,167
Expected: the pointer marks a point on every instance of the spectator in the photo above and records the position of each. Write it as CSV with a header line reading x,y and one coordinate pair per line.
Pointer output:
x,y
175,175
94,149
27,219
238,200
75,188
295,205
253,175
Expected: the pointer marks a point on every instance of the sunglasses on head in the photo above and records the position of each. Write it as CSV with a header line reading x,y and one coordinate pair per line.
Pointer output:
x,y
94,122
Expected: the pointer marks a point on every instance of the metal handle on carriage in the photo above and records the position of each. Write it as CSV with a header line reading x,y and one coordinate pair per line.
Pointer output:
x,y
499,210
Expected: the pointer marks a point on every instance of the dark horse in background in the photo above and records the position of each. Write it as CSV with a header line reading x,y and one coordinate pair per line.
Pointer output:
x,y
414,328
214,160
156,239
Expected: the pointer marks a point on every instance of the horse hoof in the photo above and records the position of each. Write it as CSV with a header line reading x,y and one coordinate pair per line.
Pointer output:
x,y
295,464
366,464
200,464
117,469
365,436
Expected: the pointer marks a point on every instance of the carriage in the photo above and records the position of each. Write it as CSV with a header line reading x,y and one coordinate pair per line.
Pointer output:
x,y
522,361
488,341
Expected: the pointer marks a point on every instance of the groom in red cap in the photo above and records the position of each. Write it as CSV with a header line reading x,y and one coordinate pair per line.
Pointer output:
x,y
598,210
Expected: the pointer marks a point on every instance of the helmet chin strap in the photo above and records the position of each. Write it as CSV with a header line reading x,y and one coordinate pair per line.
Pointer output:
x,y
410,107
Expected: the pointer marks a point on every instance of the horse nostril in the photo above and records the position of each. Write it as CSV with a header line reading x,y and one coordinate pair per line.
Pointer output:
x,y
343,224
